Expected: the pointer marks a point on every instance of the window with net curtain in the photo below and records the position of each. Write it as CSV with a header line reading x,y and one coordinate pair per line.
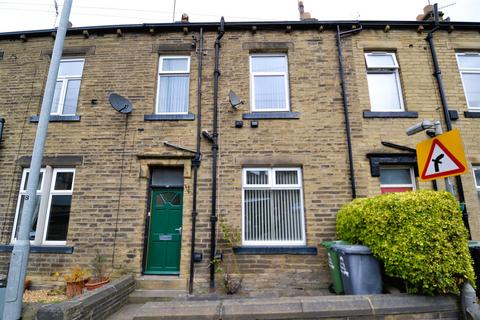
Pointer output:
x,y
67,87
269,82
383,82
469,67
173,85
273,211
51,216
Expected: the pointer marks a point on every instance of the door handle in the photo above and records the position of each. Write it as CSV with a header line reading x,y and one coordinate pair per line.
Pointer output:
x,y
179,230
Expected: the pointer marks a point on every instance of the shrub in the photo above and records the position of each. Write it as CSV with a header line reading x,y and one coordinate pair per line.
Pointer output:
x,y
78,274
419,236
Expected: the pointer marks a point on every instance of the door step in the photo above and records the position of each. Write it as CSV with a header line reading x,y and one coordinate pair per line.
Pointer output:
x,y
144,296
161,283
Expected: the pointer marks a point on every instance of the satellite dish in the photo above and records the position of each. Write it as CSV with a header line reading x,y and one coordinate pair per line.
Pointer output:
x,y
234,99
120,103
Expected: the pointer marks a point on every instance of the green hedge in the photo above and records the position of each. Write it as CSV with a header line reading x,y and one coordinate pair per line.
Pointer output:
x,y
419,236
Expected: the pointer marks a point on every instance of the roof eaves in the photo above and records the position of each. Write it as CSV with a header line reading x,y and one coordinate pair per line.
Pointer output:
x,y
212,26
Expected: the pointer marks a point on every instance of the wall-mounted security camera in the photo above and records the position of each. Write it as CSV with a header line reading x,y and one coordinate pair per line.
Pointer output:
x,y
207,135
419,127
235,101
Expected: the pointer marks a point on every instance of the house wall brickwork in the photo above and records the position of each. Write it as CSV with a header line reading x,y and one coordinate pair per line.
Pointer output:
x,y
420,93
111,194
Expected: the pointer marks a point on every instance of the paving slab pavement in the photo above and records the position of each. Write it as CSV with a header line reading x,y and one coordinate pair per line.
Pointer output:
x,y
385,306
127,312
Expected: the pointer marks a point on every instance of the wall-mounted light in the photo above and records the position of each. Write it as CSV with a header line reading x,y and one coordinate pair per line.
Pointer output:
x,y
2,125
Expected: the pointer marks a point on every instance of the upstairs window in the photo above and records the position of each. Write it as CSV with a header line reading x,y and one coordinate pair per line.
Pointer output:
x,y
383,82
469,67
273,207
397,179
67,87
52,210
173,85
269,82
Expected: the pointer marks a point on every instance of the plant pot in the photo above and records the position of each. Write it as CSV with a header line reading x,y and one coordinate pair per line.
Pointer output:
x,y
75,288
95,284
27,284
232,284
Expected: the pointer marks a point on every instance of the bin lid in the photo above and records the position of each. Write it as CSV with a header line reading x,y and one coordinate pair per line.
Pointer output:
x,y
473,243
352,249
330,244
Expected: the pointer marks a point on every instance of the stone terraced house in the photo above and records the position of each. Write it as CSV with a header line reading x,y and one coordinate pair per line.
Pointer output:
x,y
274,169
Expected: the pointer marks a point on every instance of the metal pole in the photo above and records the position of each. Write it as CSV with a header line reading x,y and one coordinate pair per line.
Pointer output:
x,y
19,257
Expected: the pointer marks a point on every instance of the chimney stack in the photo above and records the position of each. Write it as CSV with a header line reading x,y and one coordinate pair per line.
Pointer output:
x,y
303,15
184,17
428,14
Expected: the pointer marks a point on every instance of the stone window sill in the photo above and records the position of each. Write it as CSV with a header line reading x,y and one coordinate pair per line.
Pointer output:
x,y
472,114
390,114
302,250
35,119
271,115
40,249
169,117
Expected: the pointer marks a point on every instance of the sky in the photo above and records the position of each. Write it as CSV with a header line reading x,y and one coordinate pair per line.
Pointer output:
x,y
19,15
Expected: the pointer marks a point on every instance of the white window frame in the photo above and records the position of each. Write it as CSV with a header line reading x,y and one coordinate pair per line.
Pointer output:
x,y
271,185
63,89
270,73
477,183
162,72
46,192
413,184
467,70
379,69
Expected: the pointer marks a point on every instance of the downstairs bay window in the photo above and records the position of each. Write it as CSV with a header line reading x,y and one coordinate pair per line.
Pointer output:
x,y
272,207
52,209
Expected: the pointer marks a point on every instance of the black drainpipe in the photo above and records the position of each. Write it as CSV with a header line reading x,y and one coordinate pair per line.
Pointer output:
x,y
196,160
345,105
213,217
438,75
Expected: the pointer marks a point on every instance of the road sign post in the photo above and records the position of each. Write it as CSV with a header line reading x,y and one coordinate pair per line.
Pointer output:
x,y
19,257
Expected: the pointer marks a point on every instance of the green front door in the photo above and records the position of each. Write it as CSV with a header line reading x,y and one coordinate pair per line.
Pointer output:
x,y
165,233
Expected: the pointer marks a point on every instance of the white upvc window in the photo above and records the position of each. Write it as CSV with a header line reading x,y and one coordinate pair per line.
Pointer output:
x,y
272,207
52,209
67,87
397,179
383,80
173,85
476,177
269,82
469,67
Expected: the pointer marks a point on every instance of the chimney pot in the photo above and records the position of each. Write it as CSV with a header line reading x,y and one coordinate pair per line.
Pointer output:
x,y
427,9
